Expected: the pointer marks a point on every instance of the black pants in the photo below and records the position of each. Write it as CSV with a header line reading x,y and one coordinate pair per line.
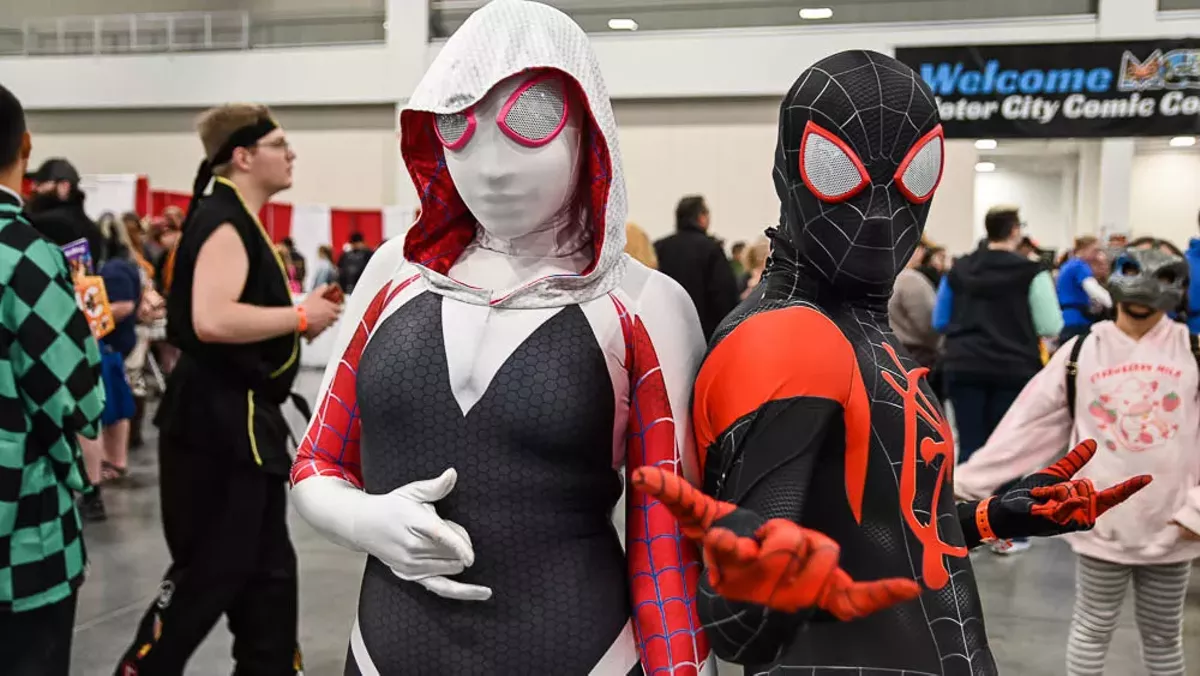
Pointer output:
x,y
226,529
38,642
978,409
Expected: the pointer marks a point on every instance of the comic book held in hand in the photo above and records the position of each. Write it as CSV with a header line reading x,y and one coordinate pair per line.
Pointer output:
x,y
90,293
93,300
79,258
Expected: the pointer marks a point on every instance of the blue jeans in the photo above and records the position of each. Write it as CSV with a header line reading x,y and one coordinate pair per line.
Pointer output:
x,y
978,409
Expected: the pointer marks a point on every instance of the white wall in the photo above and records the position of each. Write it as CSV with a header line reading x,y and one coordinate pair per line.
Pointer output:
x,y
347,156
949,223
328,76
1165,199
1046,200
723,150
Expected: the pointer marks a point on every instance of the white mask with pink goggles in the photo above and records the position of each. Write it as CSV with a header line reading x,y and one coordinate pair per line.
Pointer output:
x,y
514,157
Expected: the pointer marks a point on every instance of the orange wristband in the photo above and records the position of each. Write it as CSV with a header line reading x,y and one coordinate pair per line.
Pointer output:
x,y
302,325
986,534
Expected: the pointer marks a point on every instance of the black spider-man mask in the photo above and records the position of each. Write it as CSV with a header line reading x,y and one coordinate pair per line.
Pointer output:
x,y
859,157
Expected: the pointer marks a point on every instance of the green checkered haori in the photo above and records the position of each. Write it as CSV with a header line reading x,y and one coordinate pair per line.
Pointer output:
x,y
50,391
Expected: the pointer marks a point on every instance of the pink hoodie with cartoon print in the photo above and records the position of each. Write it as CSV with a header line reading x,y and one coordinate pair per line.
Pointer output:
x,y
1140,400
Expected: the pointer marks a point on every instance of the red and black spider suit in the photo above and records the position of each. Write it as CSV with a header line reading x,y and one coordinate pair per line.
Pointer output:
x,y
822,430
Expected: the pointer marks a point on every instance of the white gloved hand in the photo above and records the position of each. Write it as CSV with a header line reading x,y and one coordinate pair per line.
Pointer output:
x,y
406,533
402,529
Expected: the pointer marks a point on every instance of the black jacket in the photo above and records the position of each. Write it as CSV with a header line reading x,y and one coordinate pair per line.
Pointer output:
x,y
698,263
351,266
991,334
63,222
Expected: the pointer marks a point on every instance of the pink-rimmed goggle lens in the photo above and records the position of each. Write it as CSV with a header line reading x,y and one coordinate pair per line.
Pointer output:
x,y
535,114
455,129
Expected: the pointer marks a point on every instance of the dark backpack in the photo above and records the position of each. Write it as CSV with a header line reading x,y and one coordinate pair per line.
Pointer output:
x,y
1073,365
351,267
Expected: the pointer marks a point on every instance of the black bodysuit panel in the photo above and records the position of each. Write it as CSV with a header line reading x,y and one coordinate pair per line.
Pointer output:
x,y
535,491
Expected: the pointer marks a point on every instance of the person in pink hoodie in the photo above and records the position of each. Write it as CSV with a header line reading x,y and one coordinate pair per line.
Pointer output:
x,y
1135,389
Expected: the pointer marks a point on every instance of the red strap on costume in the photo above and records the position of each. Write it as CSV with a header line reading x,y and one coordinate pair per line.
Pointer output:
x,y
986,534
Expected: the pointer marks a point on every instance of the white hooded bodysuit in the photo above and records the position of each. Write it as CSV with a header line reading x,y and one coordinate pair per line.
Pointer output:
x,y
495,373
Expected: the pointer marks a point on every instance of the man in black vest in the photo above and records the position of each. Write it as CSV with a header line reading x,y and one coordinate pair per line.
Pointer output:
x,y
997,304
224,457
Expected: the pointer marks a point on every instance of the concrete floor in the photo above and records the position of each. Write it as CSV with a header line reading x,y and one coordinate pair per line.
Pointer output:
x,y
1028,597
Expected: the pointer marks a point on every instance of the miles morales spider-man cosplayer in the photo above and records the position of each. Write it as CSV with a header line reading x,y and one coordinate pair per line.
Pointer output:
x,y
498,369
836,546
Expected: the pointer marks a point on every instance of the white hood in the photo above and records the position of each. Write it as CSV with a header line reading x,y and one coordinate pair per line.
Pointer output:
x,y
502,39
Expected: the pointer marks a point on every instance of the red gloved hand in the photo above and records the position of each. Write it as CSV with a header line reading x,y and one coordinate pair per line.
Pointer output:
x,y
783,566
1050,502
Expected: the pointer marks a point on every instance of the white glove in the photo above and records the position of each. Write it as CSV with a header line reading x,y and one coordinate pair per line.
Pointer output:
x,y
402,529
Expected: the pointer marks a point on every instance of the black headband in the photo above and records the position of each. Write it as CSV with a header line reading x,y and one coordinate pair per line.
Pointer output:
x,y
243,137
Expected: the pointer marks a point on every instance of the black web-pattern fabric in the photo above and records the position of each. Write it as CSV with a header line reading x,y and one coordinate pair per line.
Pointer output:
x,y
841,259
879,107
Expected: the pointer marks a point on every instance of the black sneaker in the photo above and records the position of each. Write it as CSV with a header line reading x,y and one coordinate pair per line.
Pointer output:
x,y
91,507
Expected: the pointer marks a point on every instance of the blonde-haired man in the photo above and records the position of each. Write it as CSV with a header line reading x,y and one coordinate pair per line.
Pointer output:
x,y
223,458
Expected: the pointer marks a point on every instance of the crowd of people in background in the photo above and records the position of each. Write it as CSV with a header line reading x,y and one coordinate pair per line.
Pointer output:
x,y
130,253
1003,331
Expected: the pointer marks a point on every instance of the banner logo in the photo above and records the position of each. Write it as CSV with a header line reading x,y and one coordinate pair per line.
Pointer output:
x,y
1177,69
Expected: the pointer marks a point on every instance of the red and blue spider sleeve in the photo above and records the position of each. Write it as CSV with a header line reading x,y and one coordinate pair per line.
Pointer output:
x,y
331,444
664,566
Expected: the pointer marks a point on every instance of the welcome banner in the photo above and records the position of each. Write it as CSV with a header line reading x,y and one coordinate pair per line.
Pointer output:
x,y
1077,89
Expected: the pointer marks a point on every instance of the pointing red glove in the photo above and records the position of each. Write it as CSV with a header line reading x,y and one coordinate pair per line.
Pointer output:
x,y
782,566
1050,502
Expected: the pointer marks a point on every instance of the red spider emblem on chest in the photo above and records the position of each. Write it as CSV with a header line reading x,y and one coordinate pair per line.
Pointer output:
x,y
917,406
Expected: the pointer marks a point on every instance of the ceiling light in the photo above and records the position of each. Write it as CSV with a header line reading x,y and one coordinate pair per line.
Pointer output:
x,y
985,167
985,144
622,24
814,13
1183,141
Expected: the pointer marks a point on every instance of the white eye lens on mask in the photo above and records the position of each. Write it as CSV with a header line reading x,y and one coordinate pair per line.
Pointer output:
x,y
921,171
829,167
455,129
536,112
533,116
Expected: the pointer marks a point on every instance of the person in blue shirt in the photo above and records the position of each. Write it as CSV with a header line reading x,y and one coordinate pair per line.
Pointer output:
x,y
993,306
1079,291
1193,292
123,284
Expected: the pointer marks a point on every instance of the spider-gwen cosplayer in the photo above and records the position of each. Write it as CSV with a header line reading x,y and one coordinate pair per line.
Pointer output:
x,y
498,369
836,545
